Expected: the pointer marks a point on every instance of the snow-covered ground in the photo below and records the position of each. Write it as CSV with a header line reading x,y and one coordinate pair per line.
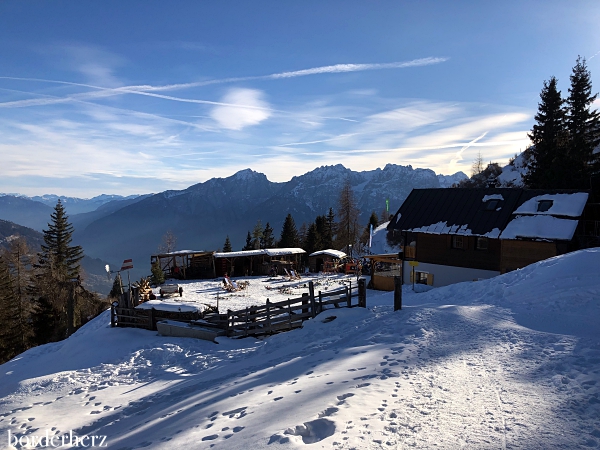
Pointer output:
x,y
510,362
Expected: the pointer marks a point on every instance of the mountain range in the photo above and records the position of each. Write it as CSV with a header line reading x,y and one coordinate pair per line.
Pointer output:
x,y
202,215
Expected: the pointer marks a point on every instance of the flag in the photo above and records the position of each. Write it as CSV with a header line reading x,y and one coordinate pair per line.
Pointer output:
x,y
370,235
127,264
387,204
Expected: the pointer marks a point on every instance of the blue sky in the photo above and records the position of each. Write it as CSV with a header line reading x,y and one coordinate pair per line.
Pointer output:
x,y
143,96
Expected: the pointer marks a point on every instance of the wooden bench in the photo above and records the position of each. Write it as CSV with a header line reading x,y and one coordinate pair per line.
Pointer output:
x,y
171,289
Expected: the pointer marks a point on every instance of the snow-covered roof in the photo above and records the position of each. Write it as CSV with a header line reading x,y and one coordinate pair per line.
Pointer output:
x,y
240,253
182,252
562,204
263,251
540,227
492,197
284,251
442,228
330,252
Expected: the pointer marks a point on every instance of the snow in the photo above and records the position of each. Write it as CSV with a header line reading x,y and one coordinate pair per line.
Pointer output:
x,y
492,197
267,251
166,305
443,228
562,204
495,233
379,243
509,362
512,174
330,252
540,227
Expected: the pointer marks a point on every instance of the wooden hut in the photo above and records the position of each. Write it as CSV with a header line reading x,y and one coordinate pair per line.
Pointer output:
x,y
257,262
186,264
324,260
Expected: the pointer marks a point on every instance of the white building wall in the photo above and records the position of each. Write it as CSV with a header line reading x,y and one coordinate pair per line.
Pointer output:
x,y
445,275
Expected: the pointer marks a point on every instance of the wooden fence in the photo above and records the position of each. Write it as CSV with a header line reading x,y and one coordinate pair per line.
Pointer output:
x,y
270,318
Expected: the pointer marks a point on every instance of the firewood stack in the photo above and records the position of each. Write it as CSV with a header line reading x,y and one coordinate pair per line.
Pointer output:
x,y
145,289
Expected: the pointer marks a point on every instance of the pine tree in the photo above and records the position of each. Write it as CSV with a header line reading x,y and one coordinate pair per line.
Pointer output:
x,y
347,225
257,234
329,230
548,163
583,125
289,234
19,262
12,340
227,245
58,257
117,288
267,241
249,245
312,240
57,279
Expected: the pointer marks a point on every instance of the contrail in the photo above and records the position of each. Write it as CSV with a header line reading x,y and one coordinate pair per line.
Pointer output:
x,y
460,152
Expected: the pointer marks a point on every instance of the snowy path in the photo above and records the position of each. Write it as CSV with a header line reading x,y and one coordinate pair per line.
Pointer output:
x,y
456,368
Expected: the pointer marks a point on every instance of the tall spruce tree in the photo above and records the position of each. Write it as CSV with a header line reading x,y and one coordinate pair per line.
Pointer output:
x,y
329,232
289,233
312,241
267,240
549,162
58,257
249,245
227,245
347,213
57,280
583,124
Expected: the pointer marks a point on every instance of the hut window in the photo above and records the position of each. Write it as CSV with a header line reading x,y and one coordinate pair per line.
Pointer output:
x,y
421,277
491,205
482,243
544,205
457,242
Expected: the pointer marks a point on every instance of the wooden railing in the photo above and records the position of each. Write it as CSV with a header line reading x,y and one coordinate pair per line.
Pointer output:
x,y
274,317
270,318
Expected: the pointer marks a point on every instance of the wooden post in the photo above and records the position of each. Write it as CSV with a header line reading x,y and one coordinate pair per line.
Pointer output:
x,y
289,314
152,324
228,328
362,293
246,328
311,290
349,296
320,302
136,296
112,316
397,293
305,301
269,316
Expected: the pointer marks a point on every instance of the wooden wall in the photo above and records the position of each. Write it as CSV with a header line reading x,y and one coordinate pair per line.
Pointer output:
x,y
517,254
437,249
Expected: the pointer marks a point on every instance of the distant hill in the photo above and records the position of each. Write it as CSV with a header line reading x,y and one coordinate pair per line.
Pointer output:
x,y
75,205
25,212
94,278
